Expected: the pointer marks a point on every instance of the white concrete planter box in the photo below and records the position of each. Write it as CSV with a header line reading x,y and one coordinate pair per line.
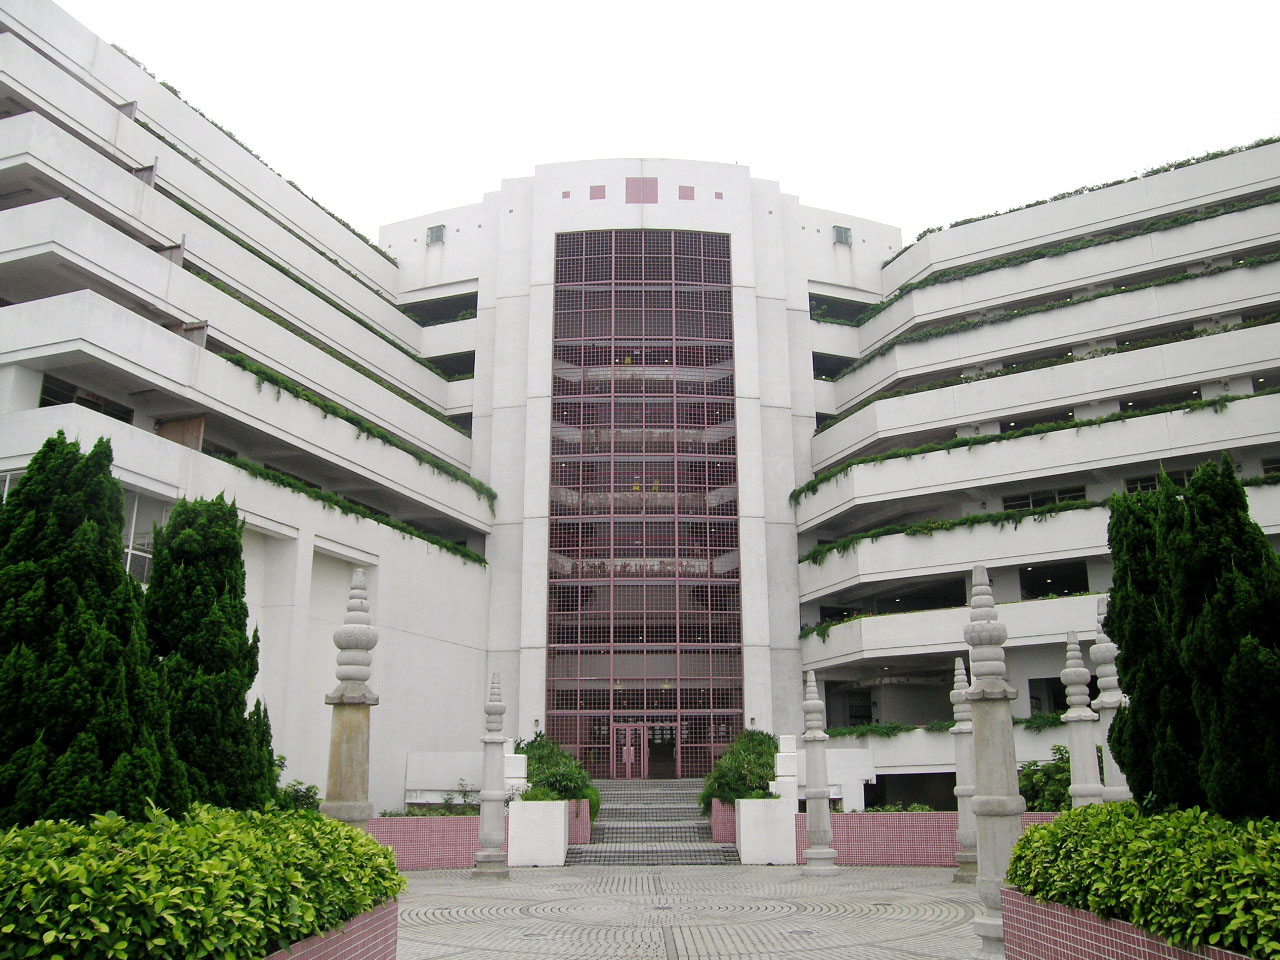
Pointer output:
x,y
538,833
766,831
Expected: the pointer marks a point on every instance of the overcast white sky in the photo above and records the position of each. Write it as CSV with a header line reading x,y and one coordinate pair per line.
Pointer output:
x,y
909,112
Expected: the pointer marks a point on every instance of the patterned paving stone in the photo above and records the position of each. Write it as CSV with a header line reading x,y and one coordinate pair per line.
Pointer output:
x,y
688,913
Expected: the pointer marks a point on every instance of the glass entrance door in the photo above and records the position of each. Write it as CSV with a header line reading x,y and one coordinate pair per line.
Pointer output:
x,y
660,761
630,752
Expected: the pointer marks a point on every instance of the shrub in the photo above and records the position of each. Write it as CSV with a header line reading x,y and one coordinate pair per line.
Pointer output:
x,y
539,793
747,766
1189,876
1045,786
215,883
557,770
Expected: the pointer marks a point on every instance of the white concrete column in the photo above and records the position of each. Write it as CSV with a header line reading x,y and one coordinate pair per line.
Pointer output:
x,y
19,388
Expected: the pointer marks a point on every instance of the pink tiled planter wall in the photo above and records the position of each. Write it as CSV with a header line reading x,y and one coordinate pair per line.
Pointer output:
x,y
895,839
444,843
579,821
429,843
1050,931
370,936
723,822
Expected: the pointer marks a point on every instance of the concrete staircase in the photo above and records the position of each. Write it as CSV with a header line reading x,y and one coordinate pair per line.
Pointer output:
x,y
650,822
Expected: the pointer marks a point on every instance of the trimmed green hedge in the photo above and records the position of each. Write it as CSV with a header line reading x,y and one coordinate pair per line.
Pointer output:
x,y
744,769
1188,876
215,883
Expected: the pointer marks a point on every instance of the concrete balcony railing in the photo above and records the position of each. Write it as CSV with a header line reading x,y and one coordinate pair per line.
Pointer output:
x,y
1162,195
146,462
1029,622
1075,534
1124,315
83,81
1187,363
1111,262
1145,440
1080,533
53,247
88,331
920,751
94,181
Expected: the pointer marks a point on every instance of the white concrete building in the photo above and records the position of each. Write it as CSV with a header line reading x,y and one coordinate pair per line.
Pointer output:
x,y
588,403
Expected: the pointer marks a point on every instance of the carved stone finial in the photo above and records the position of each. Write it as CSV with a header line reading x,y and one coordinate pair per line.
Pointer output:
x,y
1103,654
495,708
985,635
813,708
961,709
355,641
1075,677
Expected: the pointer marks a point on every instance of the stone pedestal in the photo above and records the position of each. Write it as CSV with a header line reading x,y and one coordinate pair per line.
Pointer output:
x,y
820,855
347,785
966,826
997,805
1086,787
491,861
1115,787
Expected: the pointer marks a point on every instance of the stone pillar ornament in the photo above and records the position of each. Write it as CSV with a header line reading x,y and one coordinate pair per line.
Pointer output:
x,y
491,860
962,731
997,805
1086,787
820,854
347,792
1109,700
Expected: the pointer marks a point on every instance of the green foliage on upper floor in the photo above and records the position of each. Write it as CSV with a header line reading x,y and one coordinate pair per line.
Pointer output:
x,y
1216,404
949,274
929,527
1078,191
212,883
349,507
265,374
343,358
1189,876
959,326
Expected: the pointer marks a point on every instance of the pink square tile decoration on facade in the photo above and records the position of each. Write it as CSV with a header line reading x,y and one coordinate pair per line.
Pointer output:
x,y
564,194
686,193
642,189
719,195
597,192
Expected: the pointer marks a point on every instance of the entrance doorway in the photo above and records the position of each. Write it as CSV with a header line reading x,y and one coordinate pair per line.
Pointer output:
x,y
644,751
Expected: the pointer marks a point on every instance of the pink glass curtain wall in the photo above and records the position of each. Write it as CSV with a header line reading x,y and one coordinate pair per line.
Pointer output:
x,y
644,658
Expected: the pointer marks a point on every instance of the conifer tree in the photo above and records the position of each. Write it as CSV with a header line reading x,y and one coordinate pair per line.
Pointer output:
x,y
1193,611
85,728
1155,739
1225,584
197,618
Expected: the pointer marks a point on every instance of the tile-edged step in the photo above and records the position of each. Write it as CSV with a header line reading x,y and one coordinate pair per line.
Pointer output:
x,y
651,822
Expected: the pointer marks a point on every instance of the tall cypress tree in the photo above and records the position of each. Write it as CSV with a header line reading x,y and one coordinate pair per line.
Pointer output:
x,y
1155,738
1225,581
197,618
85,726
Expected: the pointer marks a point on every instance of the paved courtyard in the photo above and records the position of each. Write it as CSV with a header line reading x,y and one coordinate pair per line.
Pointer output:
x,y
565,913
